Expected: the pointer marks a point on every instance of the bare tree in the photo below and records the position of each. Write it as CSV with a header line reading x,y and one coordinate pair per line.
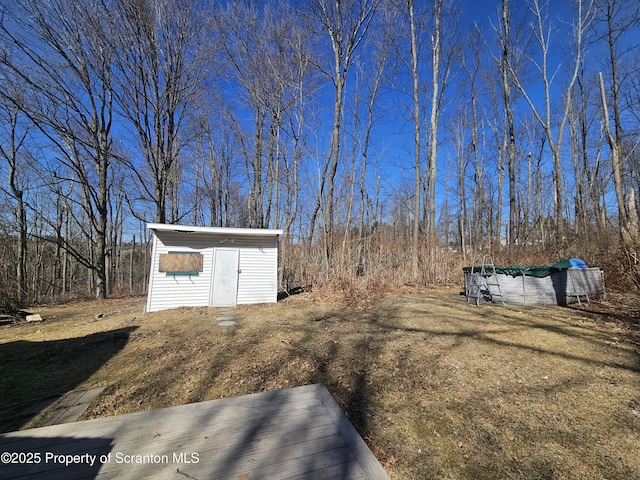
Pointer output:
x,y
245,35
446,49
216,145
264,50
67,73
627,210
478,222
159,71
617,18
463,148
302,84
414,30
585,133
474,214
373,83
13,152
505,61
417,134
346,24
542,33
436,102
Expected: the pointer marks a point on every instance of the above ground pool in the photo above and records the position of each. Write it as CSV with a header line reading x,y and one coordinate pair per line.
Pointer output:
x,y
566,282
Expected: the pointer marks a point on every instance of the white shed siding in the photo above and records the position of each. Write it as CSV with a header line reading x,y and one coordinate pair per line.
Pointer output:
x,y
257,277
169,291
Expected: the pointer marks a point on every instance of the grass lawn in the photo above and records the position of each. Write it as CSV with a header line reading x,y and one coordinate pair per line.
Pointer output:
x,y
436,387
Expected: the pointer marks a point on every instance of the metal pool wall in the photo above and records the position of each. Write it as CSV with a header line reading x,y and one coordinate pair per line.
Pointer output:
x,y
562,287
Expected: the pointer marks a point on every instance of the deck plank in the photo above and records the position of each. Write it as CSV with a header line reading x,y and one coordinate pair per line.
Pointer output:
x,y
298,433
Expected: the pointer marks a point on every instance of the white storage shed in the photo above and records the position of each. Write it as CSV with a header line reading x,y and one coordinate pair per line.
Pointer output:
x,y
212,266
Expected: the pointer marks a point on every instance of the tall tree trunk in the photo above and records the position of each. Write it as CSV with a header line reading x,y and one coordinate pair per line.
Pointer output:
x,y
511,134
10,154
433,139
433,123
627,211
346,24
554,130
417,134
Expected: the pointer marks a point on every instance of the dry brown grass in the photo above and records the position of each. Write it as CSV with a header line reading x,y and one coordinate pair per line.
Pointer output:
x,y
438,388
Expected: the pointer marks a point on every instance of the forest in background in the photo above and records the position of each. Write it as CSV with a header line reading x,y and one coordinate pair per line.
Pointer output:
x,y
391,140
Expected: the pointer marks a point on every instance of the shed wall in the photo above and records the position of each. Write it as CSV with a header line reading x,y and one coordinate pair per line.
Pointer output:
x,y
257,279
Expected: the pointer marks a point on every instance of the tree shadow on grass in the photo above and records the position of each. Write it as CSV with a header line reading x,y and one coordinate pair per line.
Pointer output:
x,y
270,434
35,374
366,361
280,355
625,316
351,352
591,360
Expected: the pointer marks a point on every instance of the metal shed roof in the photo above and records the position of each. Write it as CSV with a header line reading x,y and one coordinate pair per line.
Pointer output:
x,y
251,232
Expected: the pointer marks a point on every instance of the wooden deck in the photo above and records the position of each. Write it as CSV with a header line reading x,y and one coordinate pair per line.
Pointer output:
x,y
297,433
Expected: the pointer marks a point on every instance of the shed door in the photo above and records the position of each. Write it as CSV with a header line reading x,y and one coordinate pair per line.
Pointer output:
x,y
225,277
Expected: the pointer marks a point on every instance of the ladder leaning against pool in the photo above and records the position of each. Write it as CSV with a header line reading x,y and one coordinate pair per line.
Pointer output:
x,y
482,278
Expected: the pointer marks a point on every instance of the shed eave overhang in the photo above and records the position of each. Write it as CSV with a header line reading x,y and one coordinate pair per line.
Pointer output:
x,y
249,232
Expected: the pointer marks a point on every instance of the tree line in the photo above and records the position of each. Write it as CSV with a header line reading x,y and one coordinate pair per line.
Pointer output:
x,y
390,139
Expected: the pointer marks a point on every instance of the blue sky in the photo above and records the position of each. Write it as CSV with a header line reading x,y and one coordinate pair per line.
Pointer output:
x,y
391,153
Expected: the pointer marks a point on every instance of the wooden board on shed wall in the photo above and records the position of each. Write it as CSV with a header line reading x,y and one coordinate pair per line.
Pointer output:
x,y
180,262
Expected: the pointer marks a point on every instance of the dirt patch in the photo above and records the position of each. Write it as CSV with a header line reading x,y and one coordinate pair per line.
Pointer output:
x,y
438,388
